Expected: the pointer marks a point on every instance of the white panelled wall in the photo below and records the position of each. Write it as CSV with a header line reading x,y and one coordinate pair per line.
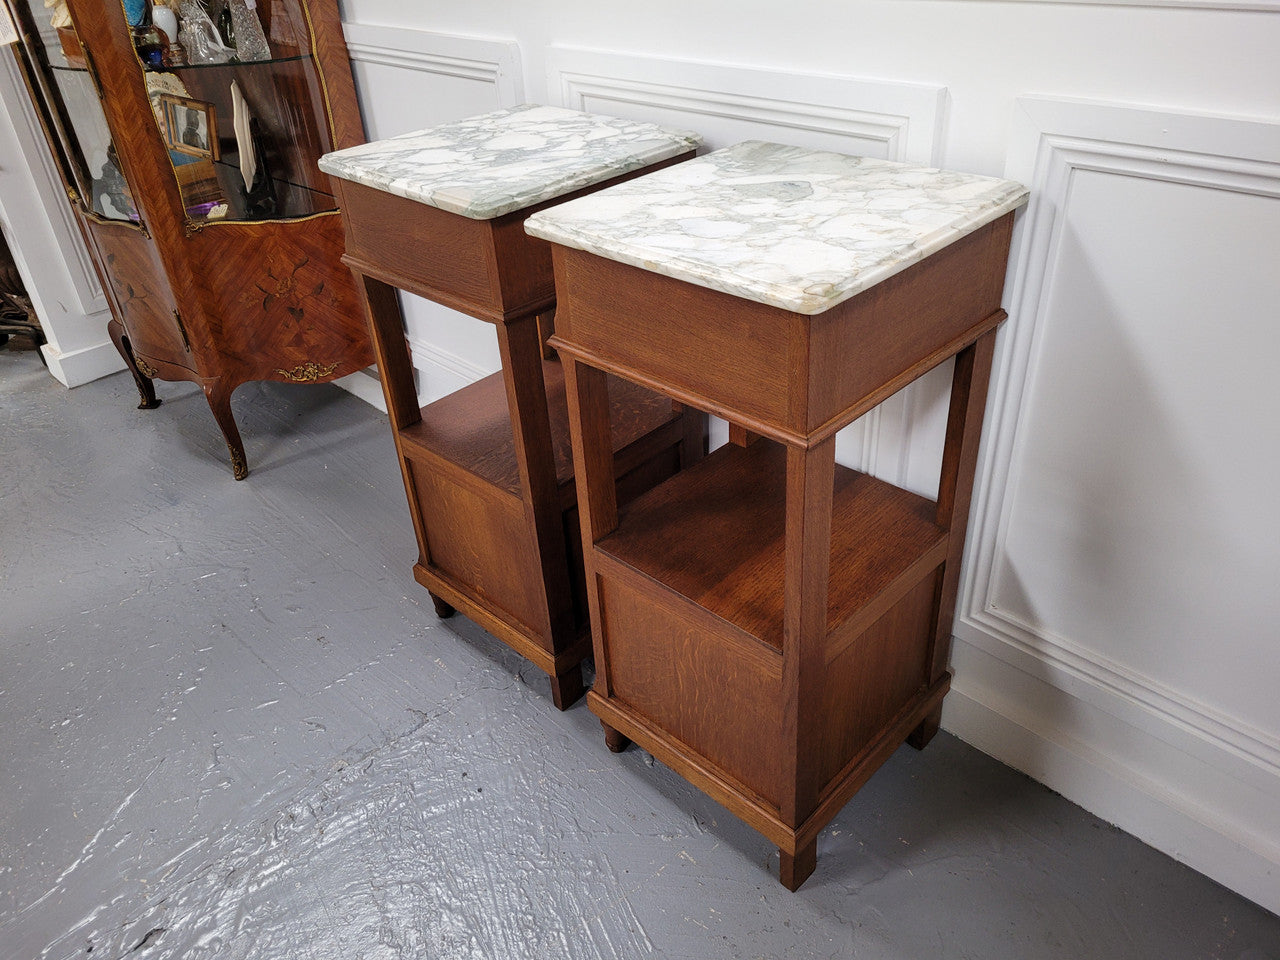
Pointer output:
x,y
1118,631
45,240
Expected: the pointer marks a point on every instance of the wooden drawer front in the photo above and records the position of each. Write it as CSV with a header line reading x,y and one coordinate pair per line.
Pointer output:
x,y
702,342
427,251
696,684
865,342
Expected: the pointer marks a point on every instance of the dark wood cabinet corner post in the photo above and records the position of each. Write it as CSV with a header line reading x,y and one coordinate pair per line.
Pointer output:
x,y
587,392
381,305
521,348
809,485
965,415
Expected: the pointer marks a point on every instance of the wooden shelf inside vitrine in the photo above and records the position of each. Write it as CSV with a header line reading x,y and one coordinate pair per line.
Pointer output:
x,y
715,535
471,429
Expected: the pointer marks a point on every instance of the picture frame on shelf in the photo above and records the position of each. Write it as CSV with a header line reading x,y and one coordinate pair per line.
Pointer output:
x,y
190,126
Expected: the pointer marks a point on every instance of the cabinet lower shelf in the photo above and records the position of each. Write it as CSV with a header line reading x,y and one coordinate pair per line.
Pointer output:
x,y
714,535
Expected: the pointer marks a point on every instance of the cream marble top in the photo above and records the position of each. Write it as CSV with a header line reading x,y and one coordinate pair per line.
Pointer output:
x,y
485,166
794,228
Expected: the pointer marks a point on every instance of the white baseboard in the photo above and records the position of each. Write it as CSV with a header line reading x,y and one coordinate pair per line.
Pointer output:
x,y
438,373
75,367
1214,820
365,385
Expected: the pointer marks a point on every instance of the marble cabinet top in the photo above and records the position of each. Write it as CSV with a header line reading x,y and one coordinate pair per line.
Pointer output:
x,y
794,228
485,166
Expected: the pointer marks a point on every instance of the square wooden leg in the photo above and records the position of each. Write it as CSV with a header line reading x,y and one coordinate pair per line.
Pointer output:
x,y
794,869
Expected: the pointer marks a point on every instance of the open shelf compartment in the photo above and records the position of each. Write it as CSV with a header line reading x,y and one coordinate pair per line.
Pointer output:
x,y
691,588
470,430
714,535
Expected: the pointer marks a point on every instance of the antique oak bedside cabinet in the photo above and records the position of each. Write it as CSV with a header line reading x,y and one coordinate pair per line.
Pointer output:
x,y
769,623
489,469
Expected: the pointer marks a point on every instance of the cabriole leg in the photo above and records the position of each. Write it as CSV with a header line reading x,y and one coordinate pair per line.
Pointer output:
x,y
219,397
146,389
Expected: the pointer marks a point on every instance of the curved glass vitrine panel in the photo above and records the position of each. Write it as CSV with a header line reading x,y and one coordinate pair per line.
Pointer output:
x,y
240,104
66,95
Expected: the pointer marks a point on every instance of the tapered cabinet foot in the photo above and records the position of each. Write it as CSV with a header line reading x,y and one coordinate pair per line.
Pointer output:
x,y
928,728
794,869
443,610
567,688
614,740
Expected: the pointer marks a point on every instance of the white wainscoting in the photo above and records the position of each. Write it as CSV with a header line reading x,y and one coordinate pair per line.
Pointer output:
x,y
45,239
411,79
901,440
1269,5
408,80
1117,625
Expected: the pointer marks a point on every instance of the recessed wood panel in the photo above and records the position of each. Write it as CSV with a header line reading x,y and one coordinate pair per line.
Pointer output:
x,y
690,680
877,675
481,539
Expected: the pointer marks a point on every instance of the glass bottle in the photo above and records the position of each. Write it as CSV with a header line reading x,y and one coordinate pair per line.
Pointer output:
x,y
226,27
251,42
151,44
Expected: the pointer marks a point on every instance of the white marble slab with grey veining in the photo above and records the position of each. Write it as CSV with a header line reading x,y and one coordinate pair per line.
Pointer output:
x,y
483,167
795,228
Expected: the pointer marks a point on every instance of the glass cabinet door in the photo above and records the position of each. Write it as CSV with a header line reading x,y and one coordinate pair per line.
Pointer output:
x,y
239,102
66,95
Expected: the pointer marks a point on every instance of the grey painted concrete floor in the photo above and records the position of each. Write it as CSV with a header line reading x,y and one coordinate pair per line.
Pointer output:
x,y
232,728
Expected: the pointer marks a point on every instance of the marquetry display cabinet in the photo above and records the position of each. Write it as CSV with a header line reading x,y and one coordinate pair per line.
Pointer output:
x,y
769,623
488,469
218,270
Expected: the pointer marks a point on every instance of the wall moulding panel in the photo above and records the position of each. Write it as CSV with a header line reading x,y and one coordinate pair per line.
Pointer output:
x,y
1267,5
901,440
407,80
1097,651
890,119
410,79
